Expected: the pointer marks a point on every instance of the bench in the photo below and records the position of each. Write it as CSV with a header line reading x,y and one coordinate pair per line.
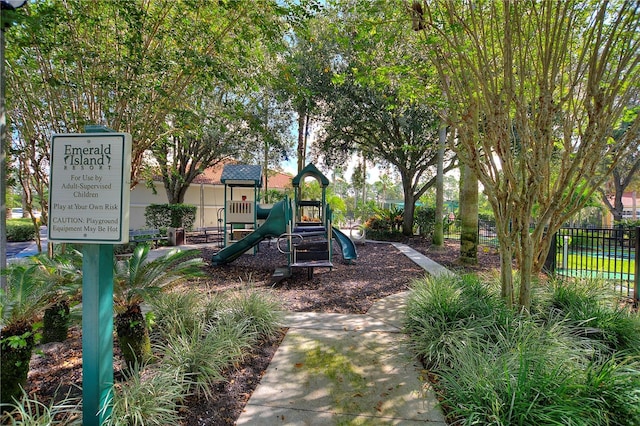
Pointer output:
x,y
202,235
146,235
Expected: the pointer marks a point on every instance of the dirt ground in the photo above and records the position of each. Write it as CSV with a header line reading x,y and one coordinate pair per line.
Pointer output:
x,y
379,271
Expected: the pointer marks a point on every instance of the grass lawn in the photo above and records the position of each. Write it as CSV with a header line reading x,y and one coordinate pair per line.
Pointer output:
x,y
605,265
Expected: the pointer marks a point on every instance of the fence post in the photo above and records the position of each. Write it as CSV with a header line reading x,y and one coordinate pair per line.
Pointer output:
x,y
550,262
636,277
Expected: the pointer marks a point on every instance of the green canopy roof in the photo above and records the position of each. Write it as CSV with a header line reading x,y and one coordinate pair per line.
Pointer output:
x,y
310,170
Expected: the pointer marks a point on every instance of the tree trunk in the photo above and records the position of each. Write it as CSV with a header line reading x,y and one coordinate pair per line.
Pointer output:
x,y
364,182
55,323
15,361
506,257
407,218
468,216
409,204
133,336
265,172
302,130
525,265
438,232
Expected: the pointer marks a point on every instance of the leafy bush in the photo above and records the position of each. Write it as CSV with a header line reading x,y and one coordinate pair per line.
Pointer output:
x,y
385,225
162,216
20,231
383,235
425,219
582,240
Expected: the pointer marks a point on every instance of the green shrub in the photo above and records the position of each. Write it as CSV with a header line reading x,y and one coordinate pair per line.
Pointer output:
x,y
425,219
582,240
384,235
162,216
20,231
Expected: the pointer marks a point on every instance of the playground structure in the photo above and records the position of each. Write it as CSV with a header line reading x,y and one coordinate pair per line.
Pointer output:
x,y
303,227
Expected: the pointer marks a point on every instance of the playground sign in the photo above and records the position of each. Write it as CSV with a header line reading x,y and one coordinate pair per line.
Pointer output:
x,y
89,188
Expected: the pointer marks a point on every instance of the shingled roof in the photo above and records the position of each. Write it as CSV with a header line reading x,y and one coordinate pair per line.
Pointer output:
x,y
235,173
213,176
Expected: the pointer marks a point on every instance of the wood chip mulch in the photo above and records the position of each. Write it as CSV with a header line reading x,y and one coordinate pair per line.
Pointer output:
x,y
379,271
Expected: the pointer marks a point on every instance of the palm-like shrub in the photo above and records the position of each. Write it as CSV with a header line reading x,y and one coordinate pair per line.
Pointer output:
x,y
21,302
136,279
63,272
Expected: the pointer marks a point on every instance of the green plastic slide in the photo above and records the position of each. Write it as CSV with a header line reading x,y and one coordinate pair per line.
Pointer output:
x,y
349,253
274,226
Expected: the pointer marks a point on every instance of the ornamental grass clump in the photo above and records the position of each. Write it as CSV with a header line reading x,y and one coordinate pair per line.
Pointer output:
x,y
200,337
201,355
571,360
261,311
460,311
30,411
175,312
594,311
148,396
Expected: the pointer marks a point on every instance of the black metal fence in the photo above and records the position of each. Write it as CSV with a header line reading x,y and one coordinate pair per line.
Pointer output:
x,y
606,253
487,235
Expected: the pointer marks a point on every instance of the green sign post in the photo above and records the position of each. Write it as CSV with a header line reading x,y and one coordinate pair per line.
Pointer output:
x,y
89,204
97,332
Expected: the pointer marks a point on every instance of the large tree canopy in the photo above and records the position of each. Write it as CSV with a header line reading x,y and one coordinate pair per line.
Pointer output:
x,y
377,104
128,64
382,126
201,137
624,173
535,89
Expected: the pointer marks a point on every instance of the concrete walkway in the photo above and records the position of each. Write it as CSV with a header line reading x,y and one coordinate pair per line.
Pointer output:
x,y
347,369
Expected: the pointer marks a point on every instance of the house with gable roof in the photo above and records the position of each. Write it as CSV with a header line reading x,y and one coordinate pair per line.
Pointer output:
x,y
206,192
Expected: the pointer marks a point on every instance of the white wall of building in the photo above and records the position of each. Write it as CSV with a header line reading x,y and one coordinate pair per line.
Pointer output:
x,y
206,197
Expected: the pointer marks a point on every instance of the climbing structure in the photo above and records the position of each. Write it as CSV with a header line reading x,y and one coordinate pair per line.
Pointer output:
x,y
241,185
312,234
303,225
